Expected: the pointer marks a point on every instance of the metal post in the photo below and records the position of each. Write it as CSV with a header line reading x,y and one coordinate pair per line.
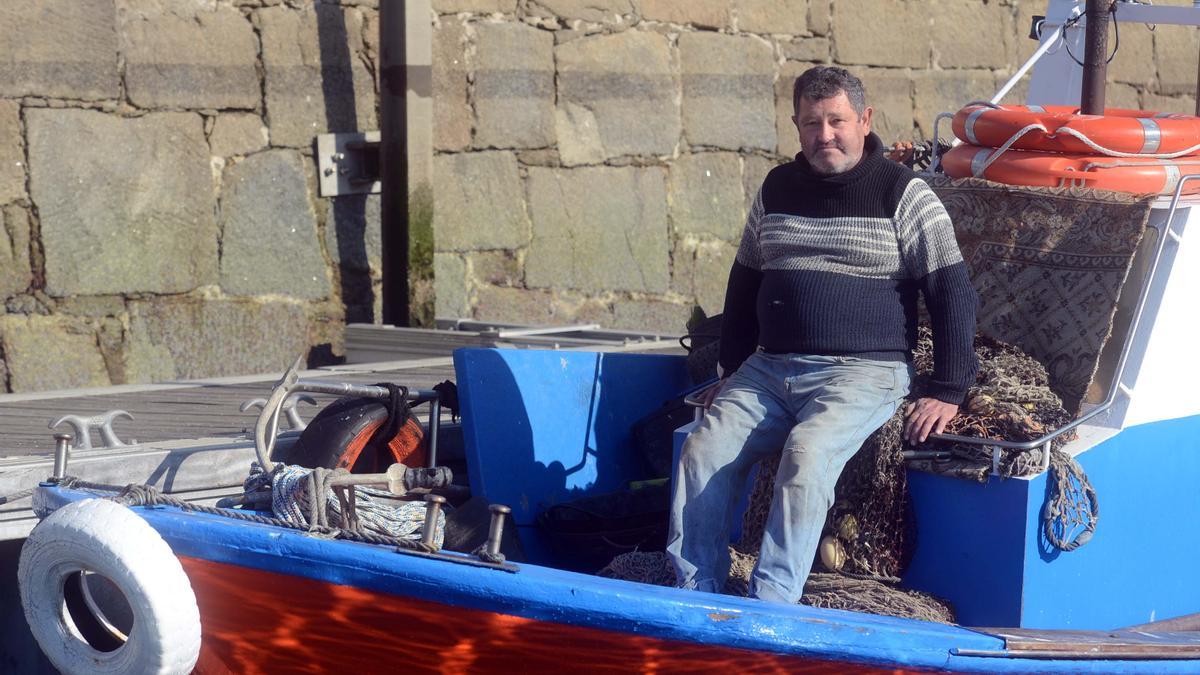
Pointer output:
x,y
433,506
1095,69
435,424
496,528
393,164
62,450
1196,6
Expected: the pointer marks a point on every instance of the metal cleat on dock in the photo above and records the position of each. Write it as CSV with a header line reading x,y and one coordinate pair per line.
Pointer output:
x,y
82,427
295,421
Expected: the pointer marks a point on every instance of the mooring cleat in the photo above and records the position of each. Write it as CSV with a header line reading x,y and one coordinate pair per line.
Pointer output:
x,y
82,427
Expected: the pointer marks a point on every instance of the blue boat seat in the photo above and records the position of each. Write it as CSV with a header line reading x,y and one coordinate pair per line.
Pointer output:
x,y
541,427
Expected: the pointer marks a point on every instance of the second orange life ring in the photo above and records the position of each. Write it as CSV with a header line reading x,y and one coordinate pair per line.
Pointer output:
x,y
1047,169
1118,130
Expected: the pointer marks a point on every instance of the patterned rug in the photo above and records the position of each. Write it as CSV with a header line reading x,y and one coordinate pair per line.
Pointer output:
x,y
1049,265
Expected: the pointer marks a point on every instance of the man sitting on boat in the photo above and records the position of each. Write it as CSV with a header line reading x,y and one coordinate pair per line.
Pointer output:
x,y
820,316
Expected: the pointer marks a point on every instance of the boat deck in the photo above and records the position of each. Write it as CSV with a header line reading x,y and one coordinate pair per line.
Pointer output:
x,y
189,438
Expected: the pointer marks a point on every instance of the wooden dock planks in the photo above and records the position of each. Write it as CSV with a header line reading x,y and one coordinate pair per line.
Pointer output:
x,y
187,410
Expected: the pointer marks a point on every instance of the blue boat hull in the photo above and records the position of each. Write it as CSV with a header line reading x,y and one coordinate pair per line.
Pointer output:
x,y
481,605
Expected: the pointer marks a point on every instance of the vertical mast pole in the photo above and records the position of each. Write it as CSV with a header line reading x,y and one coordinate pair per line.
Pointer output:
x,y
1095,68
406,160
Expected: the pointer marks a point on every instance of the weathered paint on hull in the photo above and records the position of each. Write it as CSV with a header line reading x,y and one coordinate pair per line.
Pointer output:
x,y
255,621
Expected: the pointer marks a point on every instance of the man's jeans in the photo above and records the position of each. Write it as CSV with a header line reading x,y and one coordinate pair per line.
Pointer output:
x,y
818,410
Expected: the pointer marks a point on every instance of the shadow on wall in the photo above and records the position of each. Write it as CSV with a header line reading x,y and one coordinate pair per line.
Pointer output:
x,y
349,213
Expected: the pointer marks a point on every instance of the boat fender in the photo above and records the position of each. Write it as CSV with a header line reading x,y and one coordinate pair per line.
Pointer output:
x,y
110,540
343,436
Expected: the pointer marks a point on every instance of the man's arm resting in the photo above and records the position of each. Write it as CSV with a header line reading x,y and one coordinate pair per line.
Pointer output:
x,y
951,301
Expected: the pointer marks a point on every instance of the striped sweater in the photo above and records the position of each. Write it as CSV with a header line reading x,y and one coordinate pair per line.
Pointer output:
x,y
832,265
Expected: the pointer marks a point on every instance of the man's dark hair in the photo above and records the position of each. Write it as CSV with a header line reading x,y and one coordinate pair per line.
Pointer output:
x,y
821,82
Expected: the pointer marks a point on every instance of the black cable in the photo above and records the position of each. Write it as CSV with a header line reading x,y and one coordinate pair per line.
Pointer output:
x,y
1116,35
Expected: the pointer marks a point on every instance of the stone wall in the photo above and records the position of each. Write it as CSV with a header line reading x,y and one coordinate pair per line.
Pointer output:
x,y
158,192
594,159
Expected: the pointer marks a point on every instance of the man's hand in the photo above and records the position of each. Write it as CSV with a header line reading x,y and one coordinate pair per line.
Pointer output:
x,y
710,394
926,416
900,152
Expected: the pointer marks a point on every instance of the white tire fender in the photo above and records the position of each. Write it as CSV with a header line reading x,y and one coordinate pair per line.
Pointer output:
x,y
103,537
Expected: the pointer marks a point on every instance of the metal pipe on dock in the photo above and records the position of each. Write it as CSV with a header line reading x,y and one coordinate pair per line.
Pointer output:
x,y
393,161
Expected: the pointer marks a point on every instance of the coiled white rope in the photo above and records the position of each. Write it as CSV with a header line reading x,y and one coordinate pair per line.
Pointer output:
x,y
294,488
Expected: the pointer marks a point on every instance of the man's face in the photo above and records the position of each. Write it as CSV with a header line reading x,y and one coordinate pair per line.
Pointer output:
x,y
832,134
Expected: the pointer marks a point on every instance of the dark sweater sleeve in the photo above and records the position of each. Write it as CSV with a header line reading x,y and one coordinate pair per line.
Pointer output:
x,y
931,256
951,301
739,322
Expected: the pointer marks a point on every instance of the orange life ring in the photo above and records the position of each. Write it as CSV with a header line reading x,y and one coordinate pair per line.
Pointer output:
x,y
1121,131
1048,169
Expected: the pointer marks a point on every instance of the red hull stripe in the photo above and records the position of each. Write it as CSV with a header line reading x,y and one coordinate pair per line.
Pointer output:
x,y
254,621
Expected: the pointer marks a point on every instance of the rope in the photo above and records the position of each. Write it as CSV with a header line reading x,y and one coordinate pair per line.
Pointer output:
x,y
1071,511
305,498
1117,153
482,553
1007,144
148,495
448,395
398,413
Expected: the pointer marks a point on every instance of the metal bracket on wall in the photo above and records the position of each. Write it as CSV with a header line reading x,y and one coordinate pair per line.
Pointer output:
x,y
348,163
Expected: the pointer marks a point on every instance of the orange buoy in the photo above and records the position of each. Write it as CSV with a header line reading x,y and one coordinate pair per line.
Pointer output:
x,y
1047,169
1062,129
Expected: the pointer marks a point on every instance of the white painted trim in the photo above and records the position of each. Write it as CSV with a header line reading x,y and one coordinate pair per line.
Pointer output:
x,y
1166,373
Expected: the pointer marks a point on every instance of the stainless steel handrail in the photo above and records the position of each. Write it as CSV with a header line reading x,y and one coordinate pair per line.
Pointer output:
x,y
1044,441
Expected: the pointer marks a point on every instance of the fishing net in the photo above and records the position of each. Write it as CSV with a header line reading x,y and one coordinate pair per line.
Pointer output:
x,y
870,527
832,591
1011,400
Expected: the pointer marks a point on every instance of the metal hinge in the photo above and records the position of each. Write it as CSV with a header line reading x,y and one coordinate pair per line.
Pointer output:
x,y
348,163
